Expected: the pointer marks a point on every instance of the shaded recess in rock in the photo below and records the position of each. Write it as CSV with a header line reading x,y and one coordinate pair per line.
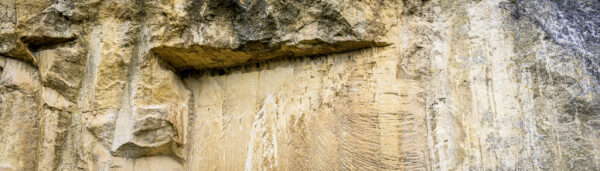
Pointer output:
x,y
198,57
132,150
35,42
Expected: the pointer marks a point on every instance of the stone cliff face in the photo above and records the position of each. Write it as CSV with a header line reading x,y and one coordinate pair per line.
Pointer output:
x,y
299,85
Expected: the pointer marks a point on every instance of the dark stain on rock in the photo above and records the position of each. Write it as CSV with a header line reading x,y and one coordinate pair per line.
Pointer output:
x,y
574,24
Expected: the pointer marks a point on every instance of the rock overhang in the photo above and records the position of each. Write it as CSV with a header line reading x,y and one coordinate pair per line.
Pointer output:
x,y
221,34
200,57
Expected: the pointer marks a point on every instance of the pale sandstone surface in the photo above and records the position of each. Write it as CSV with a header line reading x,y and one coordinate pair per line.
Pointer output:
x,y
299,85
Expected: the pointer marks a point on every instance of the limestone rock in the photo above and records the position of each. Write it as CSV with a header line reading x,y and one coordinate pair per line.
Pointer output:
x,y
20,76
226,33
48,27
20,131
62,69
299,85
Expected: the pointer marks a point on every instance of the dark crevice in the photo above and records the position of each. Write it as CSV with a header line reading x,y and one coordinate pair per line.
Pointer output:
x,y
34,43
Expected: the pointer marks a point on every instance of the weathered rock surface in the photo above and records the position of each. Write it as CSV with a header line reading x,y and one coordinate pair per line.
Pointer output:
x,y
300,85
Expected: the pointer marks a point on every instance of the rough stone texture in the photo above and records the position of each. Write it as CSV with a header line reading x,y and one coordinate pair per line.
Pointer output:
x,y
300,85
